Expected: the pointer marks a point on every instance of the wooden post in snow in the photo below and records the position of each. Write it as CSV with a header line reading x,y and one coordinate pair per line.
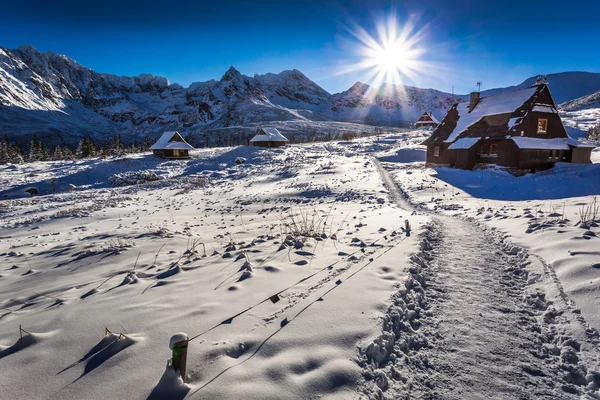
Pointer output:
x,y
179,345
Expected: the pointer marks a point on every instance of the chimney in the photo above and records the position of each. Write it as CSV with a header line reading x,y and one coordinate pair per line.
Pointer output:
x,y
474,100
540,80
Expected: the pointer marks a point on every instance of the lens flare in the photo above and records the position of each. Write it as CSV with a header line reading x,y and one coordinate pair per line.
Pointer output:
x,y
393,55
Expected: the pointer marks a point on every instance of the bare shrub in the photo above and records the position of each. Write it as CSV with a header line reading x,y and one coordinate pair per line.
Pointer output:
x,y
304,223
192,245
348,136
588,214
159,231
117,245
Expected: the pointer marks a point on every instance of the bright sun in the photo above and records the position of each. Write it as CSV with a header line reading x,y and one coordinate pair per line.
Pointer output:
x,y
389,58
392,55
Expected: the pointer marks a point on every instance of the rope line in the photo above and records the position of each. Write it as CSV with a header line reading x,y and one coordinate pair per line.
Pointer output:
x,y
285,322
275,297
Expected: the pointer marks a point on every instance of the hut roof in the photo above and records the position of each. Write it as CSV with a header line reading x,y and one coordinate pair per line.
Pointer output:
x,y
268,135
503,103
171,141
464,143
547,144
423,120
495,116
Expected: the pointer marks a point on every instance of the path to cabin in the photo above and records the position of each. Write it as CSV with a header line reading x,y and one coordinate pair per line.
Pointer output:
x,y
471,324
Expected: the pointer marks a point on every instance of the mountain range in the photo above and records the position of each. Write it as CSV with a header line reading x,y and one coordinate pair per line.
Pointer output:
x,y
60,100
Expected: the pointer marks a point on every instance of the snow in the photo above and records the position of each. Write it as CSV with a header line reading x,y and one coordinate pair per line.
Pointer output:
x,y
503,103
189,251
547,144
512,122
176,338
487,236
488,273
269,135
541,144
539,212
434,118
164,143
544,108
463,143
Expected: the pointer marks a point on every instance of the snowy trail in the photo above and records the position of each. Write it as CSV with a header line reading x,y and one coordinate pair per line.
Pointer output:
x,y
471,323
393,190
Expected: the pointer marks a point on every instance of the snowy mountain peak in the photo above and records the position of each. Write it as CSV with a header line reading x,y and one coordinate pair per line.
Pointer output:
x,y
231,74
52,95
359,88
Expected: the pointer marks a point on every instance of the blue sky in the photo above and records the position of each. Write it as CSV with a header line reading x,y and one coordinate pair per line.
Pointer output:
x,y
498,42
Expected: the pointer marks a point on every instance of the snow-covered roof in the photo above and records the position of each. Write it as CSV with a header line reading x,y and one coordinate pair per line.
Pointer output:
x,y
464,143
434,119
546,144
165,142
544,108
269,135
430,115
502,103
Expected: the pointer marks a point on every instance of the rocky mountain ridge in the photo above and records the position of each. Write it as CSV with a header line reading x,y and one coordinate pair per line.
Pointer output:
x,y
53,96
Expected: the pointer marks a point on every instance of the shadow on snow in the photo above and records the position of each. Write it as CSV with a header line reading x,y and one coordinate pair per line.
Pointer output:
x,y
562,181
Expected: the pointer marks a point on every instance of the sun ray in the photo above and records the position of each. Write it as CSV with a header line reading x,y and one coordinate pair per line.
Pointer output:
x,y
390,55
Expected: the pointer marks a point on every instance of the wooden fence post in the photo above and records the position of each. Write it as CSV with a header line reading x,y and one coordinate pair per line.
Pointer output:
x,y
179,345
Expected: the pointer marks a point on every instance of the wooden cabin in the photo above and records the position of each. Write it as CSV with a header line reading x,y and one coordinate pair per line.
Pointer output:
x,y
268,137
427,121
519,130
171,145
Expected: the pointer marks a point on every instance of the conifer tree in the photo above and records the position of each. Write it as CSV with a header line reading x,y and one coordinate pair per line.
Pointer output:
x,y
79,151
33,152
57,154
42,151
68,154
4,152
116,147
146,145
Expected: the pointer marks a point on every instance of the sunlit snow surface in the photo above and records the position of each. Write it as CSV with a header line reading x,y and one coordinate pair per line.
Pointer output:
x,y
209,239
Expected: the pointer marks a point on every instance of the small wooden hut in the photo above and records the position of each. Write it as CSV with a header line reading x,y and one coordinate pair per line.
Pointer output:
x,y
171,146
427,121
268,137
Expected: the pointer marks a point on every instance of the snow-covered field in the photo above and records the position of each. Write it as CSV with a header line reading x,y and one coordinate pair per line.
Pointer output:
x,y
580,120
291,272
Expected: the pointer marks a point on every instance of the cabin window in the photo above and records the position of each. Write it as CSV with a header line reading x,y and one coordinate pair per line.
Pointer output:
x,y
542,125
489,149
436,151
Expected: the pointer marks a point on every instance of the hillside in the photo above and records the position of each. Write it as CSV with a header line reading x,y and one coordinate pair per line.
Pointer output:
x,y
585,102
60,100
581,114
565,86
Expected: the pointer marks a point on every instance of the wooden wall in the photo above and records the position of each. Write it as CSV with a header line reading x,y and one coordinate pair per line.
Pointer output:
x,y
445,158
